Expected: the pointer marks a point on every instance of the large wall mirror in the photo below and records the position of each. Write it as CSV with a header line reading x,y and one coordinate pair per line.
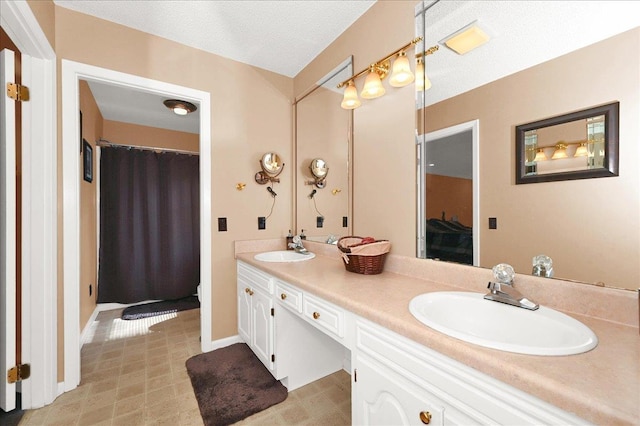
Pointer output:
x,y
589,227
323,151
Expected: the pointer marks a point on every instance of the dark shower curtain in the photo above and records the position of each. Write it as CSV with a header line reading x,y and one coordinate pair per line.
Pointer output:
x,y
149,225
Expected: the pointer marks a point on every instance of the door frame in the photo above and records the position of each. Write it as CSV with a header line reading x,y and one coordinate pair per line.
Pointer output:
x,y
39,204
72,73
474,127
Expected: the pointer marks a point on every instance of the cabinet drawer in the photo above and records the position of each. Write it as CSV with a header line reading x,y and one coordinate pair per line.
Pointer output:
x,y
324,315
250,276
289,296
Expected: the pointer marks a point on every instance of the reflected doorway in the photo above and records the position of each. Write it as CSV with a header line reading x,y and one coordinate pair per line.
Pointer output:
x,y
448,186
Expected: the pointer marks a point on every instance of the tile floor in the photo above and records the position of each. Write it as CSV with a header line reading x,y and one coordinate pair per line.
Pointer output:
x,y
133,373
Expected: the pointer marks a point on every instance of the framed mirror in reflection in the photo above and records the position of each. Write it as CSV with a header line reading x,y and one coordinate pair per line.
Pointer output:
x,y
323,137
578,145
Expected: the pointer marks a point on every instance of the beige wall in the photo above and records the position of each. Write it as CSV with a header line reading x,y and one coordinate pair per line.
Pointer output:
x,y
384,195
591,227
92,122
131,134
451,195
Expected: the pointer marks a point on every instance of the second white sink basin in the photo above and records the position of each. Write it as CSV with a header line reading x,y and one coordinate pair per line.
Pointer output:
x,y
283,256
469,317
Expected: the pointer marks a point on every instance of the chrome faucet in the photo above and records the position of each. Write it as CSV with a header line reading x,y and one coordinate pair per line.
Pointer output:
x,y
297,246
503,291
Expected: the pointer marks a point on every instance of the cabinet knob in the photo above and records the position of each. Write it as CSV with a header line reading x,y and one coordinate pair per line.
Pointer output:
x,y
316,315
248,291
425,417
283,296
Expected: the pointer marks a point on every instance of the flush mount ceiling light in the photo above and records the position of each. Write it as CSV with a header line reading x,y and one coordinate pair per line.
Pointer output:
x,y
180,107
466,39
401,76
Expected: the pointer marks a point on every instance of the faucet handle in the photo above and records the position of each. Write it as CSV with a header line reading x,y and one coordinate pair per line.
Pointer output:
x,y
504,273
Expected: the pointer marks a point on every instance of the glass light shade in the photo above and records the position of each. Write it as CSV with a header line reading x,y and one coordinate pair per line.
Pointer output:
x,y
401,75
540,156
560,152
581,151
350,100
420,76
180,111
467,39
372,86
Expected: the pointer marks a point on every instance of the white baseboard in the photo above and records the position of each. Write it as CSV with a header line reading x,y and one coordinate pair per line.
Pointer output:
x,y
227,341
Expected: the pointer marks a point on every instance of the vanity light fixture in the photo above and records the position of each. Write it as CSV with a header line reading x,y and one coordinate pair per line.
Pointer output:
x,y
466,39
422,79
560,152
180,107
376,72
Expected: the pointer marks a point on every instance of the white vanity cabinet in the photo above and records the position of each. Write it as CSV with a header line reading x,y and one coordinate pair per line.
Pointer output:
x,y
399,382
255,313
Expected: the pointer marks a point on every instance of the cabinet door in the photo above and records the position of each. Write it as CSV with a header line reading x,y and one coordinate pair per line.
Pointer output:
x,y
262,327
383,397
244,313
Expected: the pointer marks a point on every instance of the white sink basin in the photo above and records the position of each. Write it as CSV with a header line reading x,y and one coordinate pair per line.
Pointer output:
x,y
469,317
283,256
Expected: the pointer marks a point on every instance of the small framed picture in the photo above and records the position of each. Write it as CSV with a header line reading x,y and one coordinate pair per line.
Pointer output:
x,y
87,161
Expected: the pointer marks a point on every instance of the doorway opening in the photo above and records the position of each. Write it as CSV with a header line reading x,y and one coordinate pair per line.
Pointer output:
x,y
72,74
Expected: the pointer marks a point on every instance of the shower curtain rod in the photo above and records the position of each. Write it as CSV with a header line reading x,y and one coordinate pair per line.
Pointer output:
x,y
106,143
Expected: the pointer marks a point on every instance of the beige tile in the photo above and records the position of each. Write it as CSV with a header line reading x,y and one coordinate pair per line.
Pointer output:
x,y
96,416
130,405
128,391
135,418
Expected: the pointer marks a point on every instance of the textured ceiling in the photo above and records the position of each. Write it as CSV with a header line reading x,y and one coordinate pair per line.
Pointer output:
x,y
279,36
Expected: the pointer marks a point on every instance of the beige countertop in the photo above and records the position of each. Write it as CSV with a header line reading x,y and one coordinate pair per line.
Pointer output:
x,y
601,386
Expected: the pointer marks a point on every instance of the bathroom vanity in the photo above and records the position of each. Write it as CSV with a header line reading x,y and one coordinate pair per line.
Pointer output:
x,y
312,318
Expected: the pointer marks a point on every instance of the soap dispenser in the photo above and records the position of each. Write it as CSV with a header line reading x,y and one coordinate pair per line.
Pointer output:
x,y
289,240
302,236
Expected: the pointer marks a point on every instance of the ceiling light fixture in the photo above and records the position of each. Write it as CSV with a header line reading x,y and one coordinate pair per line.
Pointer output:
x,y
466,39
376,72
180,107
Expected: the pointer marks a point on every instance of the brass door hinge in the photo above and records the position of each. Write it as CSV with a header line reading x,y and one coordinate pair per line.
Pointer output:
x,y
17,92
18,373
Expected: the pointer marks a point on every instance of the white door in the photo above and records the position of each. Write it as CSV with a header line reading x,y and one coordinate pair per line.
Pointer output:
x,y
7,232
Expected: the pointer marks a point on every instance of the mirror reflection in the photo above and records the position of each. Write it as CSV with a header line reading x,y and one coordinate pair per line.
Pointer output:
x,y
323,137
577,145
588,227
319,170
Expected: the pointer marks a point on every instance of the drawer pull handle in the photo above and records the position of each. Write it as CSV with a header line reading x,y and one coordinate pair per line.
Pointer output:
x,y
316,315
425,417
283,296
249,291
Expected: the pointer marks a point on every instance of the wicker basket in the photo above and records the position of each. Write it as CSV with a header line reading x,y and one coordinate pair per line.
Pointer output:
x,y
367,258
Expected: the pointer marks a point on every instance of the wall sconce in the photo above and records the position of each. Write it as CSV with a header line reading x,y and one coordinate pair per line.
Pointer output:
x,y
271,166
401,76
422,79
180,107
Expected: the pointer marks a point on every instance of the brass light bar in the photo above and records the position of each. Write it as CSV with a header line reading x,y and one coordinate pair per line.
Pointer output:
x,y
380,66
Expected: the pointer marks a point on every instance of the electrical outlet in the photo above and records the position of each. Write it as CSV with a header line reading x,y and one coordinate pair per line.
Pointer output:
x,y
493,223
222,224
345,222
319,221
262,222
